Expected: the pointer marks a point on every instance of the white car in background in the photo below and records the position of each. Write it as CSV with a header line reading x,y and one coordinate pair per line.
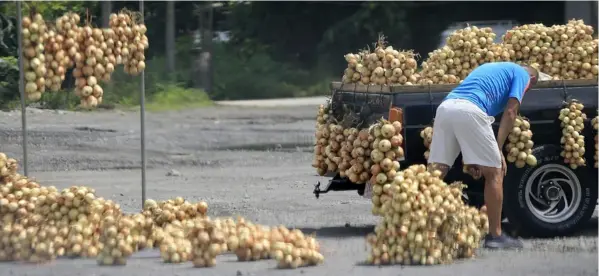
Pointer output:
x,y
500,27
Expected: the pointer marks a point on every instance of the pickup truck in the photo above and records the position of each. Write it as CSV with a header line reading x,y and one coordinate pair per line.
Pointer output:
x,y
549,199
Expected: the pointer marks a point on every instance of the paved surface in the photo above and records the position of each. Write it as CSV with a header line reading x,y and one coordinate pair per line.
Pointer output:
x,y
254,162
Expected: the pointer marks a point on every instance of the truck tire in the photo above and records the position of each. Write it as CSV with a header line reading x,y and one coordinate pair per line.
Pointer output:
x,y
549,199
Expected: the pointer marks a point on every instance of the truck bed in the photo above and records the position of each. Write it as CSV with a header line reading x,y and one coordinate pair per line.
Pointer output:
x,y
541,106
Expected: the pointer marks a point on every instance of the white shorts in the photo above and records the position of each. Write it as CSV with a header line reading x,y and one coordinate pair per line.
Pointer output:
x,y
462,126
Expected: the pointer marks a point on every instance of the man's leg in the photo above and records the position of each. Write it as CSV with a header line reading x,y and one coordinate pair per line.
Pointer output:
x,y
493,197
479,147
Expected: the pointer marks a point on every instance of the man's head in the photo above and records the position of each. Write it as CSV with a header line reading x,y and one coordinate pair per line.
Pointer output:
x,y
533,73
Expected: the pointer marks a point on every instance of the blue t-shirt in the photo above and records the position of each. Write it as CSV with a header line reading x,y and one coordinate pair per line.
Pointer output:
x,y
490,85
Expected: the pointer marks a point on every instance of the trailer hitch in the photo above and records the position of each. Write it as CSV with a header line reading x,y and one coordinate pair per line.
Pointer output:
x,y
318,191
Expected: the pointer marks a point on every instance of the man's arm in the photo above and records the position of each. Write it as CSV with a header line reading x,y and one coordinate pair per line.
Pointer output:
x,y
507,121
520,84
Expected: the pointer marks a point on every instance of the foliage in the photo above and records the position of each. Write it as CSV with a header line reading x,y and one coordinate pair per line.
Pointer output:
x,y
9,79
50,10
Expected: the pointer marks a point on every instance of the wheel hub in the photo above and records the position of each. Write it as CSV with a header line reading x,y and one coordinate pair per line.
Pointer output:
x,y
552,192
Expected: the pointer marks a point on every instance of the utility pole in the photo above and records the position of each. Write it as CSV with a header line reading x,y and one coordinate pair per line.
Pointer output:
x,y
170,36
203,64
106,10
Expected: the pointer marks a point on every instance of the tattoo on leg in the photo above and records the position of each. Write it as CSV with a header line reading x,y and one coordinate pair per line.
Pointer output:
x,y
440,167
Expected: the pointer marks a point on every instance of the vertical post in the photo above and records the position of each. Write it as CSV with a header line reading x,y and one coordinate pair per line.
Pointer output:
x,y
142,112
170,37
22,89
106,10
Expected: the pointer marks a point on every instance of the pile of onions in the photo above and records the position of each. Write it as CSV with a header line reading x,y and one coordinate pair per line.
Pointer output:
x,y
34,60
425,222
40,224
562,51
519,146
117,241
384,66
322,119
465,50
572,123
386,149
175,247
427,136
595,123
143,230
293,249
177,209
207,242
254,241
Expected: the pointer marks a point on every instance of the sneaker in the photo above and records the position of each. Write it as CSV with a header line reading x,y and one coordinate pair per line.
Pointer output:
x,y
502,242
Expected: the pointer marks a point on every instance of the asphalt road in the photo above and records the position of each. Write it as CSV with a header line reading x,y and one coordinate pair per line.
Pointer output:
x,y
250,161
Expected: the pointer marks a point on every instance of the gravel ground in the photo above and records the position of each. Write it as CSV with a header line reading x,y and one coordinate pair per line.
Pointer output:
x,y
250,161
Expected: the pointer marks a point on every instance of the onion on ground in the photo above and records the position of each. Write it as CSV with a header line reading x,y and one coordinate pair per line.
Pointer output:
x,y
425,222
572,122
520,144
40,224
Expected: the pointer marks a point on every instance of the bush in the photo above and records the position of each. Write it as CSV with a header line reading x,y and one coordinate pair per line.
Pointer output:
x,y
258,76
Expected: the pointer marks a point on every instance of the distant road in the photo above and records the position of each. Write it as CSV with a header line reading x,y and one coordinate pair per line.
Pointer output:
x,y
276,102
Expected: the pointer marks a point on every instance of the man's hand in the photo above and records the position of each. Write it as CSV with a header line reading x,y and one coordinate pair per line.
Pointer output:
x,y
503,165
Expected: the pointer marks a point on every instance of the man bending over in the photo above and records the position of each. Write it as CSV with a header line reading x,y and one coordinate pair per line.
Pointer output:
x,y
463,123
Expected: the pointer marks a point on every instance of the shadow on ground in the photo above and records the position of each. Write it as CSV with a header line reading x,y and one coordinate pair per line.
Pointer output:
x,y
339,231
588,230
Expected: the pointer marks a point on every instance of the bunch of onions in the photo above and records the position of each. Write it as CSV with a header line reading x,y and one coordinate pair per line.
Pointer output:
x,y
425,222
207,242
117,240
175,247
595,123
520,144
57,60
254,241
333,133
427,136
465,50
563,51
322,120
292,249
130,42
8,166
384,66
34,60
177,209
386,149
85,61
355,155
572,123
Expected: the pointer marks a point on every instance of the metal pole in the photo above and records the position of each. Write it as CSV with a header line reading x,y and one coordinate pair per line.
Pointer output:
x,y
22,89
142,112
